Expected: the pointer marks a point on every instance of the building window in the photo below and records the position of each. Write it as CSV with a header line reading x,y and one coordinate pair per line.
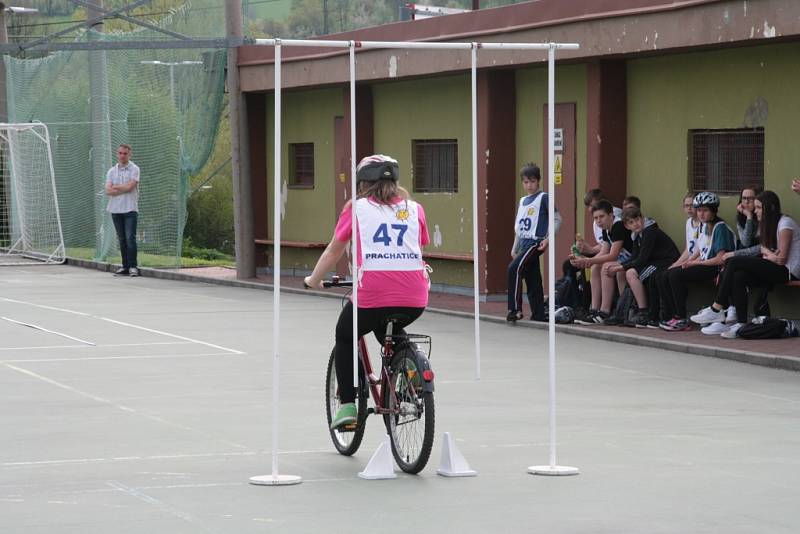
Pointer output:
x,y
301,165
726,161
435,163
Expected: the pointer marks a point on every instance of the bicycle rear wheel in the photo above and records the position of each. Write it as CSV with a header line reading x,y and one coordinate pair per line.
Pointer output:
x,y
346,441
411,423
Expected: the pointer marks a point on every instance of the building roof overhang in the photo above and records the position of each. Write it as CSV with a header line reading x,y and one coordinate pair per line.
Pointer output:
x,y
604,29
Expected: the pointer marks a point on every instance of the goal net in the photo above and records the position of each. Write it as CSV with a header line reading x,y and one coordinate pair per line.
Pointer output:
x,y
30,225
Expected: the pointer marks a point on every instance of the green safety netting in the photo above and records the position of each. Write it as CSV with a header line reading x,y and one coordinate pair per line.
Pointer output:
x,y
165,103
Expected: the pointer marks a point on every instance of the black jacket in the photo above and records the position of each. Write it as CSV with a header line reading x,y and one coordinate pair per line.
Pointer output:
x,y
652,246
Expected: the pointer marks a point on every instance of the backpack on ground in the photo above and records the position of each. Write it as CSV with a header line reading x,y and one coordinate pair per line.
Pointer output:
x,y
573,292
625,310
762,327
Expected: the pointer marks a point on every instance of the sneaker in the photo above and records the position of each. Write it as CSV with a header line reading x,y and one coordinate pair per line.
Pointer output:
x,y
134,271
652,323
612,321
733,331
707,315
668,324
587,318
514,316
346,415
730,318
641,319
675,325
714,329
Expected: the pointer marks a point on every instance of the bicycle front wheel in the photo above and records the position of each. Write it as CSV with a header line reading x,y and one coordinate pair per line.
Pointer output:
x,y
410,422
347,440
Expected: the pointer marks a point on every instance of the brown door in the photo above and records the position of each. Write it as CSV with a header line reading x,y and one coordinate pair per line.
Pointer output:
x,y
564,180
341,188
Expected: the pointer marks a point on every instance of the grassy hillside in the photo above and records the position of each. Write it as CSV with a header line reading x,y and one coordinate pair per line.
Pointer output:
x,y
268,9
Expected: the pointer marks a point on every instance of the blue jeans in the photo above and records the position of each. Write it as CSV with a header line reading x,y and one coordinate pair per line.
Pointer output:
x,y
125,224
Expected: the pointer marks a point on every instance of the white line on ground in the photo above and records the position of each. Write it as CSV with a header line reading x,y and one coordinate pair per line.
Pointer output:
x,y
133,357
688,381
44,307
44,347
119,406
162,506
43,329
38,463
234,351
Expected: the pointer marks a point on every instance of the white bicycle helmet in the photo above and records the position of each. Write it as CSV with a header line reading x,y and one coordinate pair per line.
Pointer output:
x,y
377,167
706,199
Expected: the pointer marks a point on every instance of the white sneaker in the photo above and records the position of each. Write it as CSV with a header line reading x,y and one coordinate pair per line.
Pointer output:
x,y
733,331
134,271
714,329
707,315
731,316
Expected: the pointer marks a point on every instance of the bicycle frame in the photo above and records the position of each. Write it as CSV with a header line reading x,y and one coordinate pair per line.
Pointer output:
x,y
377,384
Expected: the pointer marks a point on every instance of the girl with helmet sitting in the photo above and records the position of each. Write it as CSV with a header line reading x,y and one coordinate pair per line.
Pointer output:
x,y
716,239
776,261
392,279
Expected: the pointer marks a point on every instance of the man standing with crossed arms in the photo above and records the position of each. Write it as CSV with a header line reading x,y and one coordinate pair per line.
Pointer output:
x,y
122,187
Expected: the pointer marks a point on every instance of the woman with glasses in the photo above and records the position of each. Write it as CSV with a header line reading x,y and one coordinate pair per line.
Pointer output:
x,y
746,222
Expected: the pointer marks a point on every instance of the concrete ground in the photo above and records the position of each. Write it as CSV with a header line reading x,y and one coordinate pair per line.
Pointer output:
x,y
154,412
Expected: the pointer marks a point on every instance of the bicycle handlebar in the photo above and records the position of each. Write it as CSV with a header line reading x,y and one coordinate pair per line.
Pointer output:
x,y
335,281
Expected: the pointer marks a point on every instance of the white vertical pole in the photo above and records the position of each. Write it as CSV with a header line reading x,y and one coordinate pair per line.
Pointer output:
x,y
551,189
275,479
353,192
552,468
475,240
276,262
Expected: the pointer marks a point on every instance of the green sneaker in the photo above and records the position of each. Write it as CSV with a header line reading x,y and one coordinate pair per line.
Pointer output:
x,y
346,415
412,375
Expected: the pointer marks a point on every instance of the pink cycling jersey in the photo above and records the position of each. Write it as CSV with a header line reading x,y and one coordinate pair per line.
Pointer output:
x,y
381,289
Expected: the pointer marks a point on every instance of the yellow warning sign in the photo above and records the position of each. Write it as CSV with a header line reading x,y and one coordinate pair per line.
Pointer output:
x,y
557,178
558,164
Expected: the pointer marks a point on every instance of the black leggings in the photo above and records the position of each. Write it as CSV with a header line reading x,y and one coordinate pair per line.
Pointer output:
x,y
369,320
743,272
673,290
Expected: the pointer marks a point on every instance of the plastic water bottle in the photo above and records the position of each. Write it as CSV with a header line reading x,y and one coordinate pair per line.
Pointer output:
x,y
575,250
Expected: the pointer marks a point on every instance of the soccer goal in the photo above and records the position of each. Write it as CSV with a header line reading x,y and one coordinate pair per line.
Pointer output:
x,y
30,224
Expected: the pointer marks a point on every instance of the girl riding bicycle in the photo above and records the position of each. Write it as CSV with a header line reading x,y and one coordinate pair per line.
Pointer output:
x,y
392,280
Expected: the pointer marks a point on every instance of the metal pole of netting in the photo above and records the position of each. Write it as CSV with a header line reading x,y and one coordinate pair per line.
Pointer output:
x,y
552,468
475,240
353,220
275,479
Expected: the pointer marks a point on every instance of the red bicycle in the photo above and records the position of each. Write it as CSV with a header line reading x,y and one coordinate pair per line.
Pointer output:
x,y
402,393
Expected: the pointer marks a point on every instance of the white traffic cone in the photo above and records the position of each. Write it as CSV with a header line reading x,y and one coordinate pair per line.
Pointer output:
x,y
453,463
381,465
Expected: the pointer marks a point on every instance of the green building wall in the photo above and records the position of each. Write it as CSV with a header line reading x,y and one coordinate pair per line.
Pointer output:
x,y
670,95
310,214
531,98
432,108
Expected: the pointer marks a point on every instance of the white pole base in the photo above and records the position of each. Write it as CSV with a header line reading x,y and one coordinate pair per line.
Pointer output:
x,y
453,463
553,470
381,465
275,480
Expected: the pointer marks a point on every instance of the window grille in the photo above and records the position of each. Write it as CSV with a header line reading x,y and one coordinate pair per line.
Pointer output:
x,y
726,161
301,165
435,163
